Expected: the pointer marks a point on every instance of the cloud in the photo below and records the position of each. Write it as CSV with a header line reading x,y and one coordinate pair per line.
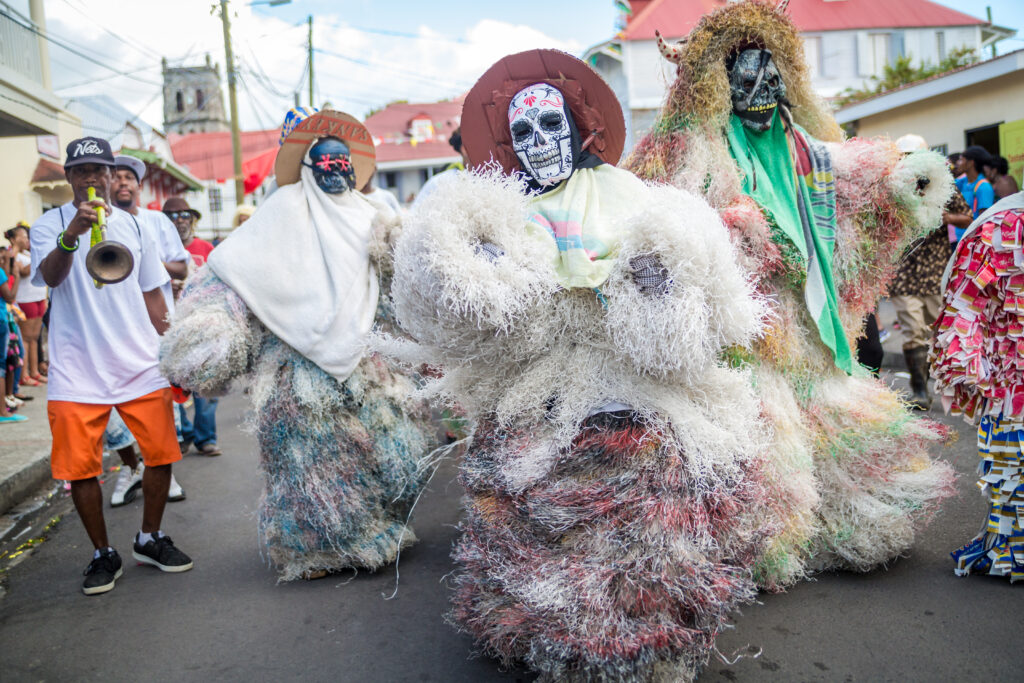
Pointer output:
x,y
355,69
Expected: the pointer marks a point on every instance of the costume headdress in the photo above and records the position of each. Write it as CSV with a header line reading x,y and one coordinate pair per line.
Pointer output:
x,y
702,93
595,109
323,124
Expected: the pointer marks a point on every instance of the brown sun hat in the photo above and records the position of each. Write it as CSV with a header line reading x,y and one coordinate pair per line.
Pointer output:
x,y
325,124
594,107
179,204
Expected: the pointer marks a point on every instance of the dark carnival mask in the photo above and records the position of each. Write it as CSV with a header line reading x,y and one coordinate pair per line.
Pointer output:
x,y
332,166
541,135
756,87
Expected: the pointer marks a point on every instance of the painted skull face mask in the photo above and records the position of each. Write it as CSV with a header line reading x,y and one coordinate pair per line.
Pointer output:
x,y
332,166
756,87
541,135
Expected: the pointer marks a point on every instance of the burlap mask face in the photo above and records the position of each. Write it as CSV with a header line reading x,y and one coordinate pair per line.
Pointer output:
x,y
757,88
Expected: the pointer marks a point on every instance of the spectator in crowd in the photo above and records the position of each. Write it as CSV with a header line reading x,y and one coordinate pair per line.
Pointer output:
x,y
161,233
203,430
915,292
998,173
31,299
103,345
243,213
973,185
8,292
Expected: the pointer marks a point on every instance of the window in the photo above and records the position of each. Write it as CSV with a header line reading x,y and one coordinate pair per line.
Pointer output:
x,y
422,130
879,54
812,52
216,201
199,99
942,149
389,179
940,44
179,102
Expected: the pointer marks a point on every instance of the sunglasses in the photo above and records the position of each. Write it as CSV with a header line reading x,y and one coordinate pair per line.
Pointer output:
x,y
175,215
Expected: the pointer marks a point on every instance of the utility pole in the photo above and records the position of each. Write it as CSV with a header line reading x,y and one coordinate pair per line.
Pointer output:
x,y
309,19
236,135
988,13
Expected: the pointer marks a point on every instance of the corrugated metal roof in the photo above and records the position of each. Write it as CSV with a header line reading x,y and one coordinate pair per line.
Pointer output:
x,y
675,18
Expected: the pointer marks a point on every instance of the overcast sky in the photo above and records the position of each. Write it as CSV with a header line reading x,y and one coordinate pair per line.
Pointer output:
x,y
369,52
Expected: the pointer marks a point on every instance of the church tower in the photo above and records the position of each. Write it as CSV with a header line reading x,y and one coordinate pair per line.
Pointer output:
x,y
192,99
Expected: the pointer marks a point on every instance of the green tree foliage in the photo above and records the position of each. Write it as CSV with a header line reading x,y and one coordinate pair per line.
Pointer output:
x,y
903,71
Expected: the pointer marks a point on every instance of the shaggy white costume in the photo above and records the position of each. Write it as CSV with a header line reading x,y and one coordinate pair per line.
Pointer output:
x,y
610,492
289,300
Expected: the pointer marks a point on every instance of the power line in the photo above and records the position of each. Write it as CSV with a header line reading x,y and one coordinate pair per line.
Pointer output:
x,y
387,67
46,36
142,49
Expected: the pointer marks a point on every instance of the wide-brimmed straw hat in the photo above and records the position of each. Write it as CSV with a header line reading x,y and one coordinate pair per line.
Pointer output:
x,y
326,124
594,107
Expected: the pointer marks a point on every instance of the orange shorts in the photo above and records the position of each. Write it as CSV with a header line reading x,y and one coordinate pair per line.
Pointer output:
x,y
77,429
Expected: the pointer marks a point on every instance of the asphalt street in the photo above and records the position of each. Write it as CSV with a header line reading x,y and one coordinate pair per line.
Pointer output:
x,y
229,619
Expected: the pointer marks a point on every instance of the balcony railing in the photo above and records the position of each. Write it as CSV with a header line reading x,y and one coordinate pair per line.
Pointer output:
x,y
19,46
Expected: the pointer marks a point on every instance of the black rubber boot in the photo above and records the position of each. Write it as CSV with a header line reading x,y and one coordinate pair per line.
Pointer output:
x,y
917,365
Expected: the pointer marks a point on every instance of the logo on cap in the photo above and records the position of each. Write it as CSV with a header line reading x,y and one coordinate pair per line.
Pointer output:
x,y
87,146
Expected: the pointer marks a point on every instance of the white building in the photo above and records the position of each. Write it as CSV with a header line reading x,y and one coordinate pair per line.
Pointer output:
x,y
846,43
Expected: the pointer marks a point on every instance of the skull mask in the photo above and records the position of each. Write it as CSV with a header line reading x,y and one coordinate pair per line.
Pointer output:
x,y
757,88
541,136
332,166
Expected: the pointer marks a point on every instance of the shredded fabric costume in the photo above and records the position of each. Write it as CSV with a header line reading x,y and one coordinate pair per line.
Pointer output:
x,y
978,364
611,500
818,224
340,453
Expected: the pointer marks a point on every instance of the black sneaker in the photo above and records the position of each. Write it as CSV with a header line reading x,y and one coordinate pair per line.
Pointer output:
x,y
102,572
161,553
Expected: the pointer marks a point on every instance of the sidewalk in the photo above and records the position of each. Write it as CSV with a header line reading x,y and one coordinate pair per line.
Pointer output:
x,y
25,451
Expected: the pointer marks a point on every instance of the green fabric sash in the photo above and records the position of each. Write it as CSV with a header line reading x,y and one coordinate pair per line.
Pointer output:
x,y
804,211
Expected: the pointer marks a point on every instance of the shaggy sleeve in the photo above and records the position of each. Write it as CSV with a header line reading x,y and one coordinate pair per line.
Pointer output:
x,y
452,293
212,338
885,201
705,304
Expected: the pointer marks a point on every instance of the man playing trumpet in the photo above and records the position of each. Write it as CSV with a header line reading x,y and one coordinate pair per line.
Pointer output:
x,y
103,349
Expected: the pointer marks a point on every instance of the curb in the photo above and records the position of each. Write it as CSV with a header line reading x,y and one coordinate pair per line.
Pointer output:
x,y
24,482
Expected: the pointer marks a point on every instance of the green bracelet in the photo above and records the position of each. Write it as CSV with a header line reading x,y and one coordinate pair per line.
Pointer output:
x,y
60,243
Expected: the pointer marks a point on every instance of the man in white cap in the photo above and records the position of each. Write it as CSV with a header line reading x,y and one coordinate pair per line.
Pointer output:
x,y
124,191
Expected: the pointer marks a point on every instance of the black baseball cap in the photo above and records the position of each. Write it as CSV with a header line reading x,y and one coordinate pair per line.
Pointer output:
x,y
89,150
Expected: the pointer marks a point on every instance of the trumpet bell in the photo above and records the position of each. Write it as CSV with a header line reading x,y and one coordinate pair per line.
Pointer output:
x,y
109,262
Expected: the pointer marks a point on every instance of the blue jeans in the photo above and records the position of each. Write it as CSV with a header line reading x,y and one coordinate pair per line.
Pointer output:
x,y
204,430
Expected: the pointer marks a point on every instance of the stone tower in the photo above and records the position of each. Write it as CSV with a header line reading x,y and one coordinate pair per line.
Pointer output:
x,y
193,102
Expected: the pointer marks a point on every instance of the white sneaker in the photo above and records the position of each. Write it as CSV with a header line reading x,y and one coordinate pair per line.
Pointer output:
x,y
13,402
175,492
129,482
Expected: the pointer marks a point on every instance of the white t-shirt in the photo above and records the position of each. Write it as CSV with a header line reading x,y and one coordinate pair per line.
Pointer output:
x,y
156,225
103,347
27,292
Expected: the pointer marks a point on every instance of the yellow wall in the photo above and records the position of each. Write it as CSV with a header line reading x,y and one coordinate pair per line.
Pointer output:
x,y
19,202
943,120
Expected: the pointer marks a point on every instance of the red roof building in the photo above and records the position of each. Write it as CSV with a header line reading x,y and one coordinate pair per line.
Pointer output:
x,y
846,43
412,143
675,18
209,156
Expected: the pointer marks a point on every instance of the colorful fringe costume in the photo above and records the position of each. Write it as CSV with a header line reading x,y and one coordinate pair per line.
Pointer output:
x,y
340,449
611,499
848,468
978,364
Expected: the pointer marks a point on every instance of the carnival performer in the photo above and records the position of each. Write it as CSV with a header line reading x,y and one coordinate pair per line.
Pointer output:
x,y
819,223
578,315
977,363
339,439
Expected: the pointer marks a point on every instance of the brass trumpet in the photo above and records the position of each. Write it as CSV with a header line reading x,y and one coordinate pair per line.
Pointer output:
x,y
108,261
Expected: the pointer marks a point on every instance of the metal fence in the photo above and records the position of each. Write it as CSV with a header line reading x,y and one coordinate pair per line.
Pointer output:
x,y
19,47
